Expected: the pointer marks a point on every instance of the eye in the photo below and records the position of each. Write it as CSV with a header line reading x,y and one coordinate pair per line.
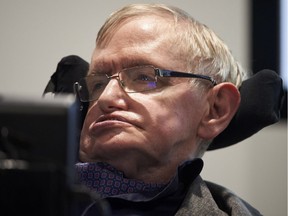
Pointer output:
x,y
96,83
144,77
98,86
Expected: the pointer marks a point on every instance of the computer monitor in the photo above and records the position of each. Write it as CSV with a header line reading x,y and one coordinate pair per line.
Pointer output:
x,y
38,150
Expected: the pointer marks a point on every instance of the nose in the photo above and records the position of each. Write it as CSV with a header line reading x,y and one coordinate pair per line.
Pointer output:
x,y
113,97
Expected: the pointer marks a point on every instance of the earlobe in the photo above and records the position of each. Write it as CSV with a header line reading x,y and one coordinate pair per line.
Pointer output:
x,y
224,100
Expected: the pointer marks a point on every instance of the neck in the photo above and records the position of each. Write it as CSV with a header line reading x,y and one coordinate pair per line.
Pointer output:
x,y
161,174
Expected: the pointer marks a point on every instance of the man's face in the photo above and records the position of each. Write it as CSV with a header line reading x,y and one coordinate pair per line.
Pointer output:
x,y
141,131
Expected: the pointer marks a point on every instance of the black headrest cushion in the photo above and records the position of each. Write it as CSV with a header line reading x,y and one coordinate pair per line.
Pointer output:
x,y
261,98
69,70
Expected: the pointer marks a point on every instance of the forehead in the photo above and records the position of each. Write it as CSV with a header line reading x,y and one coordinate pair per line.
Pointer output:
x,y
142,20
139,41
142,31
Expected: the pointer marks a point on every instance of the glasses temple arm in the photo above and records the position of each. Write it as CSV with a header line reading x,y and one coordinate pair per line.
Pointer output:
x,y
169,73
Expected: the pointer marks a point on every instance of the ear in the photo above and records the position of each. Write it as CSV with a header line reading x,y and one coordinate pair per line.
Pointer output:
x,y
223,101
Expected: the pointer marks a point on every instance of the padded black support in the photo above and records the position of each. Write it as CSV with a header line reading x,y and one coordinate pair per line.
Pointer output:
x,y
69,70
261,98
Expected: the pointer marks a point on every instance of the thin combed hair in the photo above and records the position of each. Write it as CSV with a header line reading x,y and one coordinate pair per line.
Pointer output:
x,y
202,50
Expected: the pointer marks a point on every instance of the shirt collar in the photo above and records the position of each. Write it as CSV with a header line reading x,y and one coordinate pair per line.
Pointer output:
x,y
111,183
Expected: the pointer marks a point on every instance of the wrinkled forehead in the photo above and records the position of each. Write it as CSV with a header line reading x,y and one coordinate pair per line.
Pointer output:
x,y
143,40
152,22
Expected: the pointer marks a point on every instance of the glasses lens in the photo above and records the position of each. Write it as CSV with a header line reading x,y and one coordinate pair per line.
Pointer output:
x,y
91,87
138,79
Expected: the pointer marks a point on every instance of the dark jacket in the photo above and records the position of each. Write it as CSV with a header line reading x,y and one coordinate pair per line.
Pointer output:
x,y
206,198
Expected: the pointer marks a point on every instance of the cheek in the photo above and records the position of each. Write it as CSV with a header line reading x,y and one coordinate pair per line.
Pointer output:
x,y
85,139
173,120
177,119
88,119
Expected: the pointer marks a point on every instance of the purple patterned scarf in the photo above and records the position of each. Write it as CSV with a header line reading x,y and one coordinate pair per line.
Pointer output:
x,y
107,181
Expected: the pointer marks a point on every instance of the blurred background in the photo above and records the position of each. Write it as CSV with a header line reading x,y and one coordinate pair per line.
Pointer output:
x,y
35,35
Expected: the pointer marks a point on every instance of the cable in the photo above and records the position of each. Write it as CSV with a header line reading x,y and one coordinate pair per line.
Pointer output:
x,y
81,193
88,208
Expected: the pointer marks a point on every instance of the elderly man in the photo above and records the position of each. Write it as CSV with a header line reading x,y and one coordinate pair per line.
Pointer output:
x,y
160,87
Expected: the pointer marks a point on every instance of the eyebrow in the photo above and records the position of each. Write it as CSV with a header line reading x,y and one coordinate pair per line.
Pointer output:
x,y
105,67
135,62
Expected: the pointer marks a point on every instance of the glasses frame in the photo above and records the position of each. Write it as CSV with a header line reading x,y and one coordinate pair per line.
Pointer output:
x,y
158,73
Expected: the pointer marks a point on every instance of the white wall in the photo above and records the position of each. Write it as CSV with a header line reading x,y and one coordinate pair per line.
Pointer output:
x,y
36,34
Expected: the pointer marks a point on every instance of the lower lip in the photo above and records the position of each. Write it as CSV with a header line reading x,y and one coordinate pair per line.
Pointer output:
x,y
108,124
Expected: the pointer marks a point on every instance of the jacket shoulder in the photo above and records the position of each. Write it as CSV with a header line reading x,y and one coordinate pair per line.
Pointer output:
x,y
230,202
207,198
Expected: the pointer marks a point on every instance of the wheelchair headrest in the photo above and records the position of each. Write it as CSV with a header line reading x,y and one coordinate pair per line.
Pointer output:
x,y
69,70
261,99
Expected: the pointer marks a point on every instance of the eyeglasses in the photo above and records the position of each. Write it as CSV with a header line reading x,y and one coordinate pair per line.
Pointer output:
x,y
135,79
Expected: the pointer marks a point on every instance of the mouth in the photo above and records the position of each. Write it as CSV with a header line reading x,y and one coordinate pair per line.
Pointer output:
x,y
109,122
105,118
